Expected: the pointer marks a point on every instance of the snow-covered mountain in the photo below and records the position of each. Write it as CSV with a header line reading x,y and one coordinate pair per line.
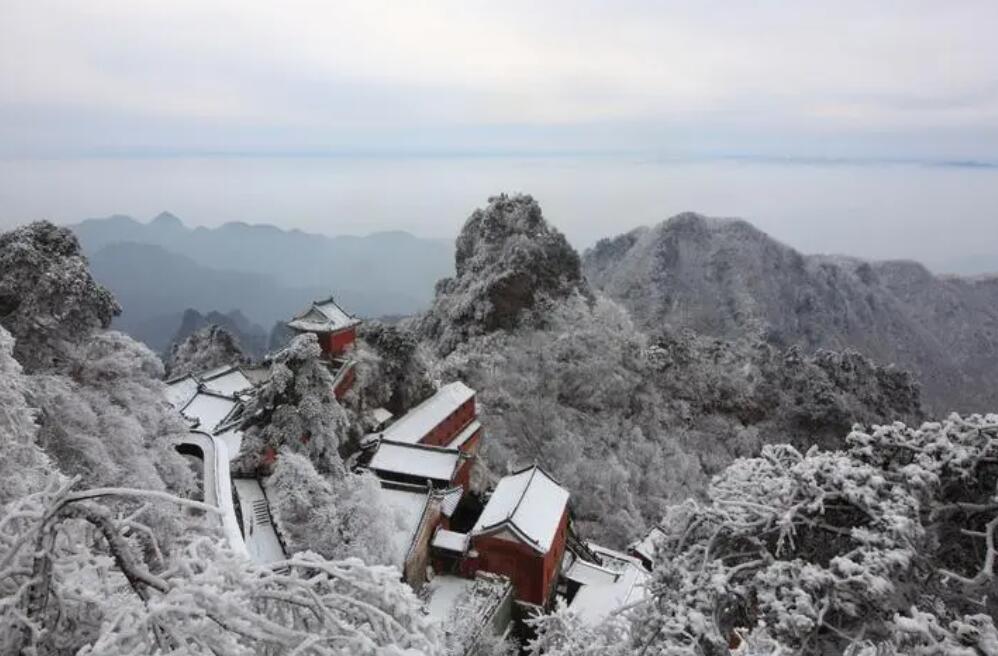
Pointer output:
x,y
725,278
627,418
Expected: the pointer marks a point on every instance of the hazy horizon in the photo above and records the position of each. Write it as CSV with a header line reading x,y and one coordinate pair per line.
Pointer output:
x,y
873,210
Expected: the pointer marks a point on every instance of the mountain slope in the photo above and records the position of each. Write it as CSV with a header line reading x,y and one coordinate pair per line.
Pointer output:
x,y
628,420
727,279
156,286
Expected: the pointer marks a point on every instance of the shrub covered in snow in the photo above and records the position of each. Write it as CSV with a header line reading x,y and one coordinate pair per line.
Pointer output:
x,y
72,580
884,546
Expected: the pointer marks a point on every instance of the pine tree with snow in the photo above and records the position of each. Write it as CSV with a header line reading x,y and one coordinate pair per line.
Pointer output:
x,y
296,408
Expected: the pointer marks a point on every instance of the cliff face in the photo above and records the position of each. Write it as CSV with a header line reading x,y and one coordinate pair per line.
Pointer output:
x,y
727,279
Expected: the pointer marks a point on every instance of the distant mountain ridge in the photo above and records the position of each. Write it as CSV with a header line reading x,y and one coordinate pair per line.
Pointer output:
x,y
291,256
726,278
160,269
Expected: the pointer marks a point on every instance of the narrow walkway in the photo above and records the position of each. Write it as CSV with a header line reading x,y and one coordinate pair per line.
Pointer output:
x,y
258,528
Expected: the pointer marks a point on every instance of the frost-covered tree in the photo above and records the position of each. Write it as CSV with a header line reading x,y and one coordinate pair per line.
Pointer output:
x,y
204,349
296,408
392,368
335,516
107,420
885,546
73,581
48,299
24,467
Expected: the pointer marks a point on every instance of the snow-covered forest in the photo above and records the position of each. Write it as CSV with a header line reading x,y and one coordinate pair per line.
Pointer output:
x,y
784,500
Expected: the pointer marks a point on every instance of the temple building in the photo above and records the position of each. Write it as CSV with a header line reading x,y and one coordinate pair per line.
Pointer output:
x,y
337,332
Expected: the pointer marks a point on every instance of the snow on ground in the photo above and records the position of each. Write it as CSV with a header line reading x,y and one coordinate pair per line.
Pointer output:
x,y
590,574
444,594
381,416
258,529
233,440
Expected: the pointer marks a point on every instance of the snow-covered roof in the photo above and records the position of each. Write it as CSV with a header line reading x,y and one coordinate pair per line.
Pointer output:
x,y
588,573
451,540
531,503
215,371
323,317
233,439
621,581
645,547
209,409
612,558
415,424
180,391
465,435
451,499
407,506
230,382
380,416
227,380
415,460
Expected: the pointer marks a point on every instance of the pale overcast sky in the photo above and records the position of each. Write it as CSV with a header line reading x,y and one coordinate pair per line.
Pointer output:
x,y
187,81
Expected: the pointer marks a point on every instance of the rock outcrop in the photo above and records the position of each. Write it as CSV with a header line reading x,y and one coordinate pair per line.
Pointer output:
x,y
204,349
510,265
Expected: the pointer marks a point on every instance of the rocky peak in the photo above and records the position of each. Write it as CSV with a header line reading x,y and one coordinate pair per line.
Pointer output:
x,y
509,262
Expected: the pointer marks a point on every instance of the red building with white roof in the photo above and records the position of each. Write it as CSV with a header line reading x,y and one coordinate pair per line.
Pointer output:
x,y
522,533
447,419
337,332
435,443
421,464
335,328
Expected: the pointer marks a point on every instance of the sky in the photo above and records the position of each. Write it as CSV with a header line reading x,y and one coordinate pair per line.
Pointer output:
x,y
360,116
